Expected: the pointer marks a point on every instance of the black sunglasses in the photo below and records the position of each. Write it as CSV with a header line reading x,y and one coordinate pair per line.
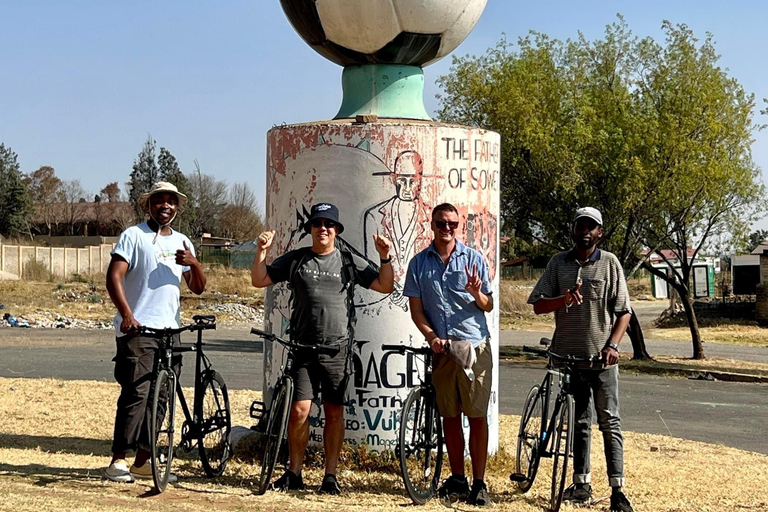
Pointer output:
x,y
444,224
316,223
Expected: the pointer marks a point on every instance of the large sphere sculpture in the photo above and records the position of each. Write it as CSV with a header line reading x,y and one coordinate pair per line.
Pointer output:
x,y
408,32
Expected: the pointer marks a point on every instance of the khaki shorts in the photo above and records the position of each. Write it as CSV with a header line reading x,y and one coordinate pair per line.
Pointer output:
x,y
455,392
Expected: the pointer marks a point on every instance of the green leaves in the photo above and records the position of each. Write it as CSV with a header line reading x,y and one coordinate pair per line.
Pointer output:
x,y
15,203
657,136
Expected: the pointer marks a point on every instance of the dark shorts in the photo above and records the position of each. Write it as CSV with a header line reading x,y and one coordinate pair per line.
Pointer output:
x,y
321,373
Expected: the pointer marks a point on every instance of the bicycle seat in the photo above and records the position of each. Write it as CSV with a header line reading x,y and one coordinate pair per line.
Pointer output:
x,y
545,342
204,319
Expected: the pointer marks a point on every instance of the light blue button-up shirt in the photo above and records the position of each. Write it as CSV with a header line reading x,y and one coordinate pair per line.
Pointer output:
x,y
450,310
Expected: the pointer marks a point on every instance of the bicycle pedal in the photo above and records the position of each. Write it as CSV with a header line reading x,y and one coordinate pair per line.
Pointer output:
x,y
518,477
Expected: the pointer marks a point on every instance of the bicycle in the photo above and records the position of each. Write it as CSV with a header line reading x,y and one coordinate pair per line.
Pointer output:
x,y
274,420
209,424
553,439
420,440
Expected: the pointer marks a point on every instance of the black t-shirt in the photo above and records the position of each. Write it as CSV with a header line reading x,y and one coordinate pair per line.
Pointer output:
x,y
319,296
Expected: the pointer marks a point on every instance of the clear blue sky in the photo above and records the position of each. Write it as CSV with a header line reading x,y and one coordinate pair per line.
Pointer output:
x,y
83,82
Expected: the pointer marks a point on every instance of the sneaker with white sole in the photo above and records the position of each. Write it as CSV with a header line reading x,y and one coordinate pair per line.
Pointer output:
x,y
118,472
145,473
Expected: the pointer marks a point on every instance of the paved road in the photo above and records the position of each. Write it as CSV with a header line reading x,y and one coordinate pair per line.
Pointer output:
x,y
718,412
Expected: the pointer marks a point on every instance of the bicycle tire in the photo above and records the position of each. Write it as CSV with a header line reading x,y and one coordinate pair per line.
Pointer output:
x,y
420,445
216,424
532,427
161,427
276,425
561,452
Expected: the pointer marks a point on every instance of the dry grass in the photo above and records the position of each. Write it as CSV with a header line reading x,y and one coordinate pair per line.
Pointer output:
x,y
86,297
514,310
731,332
56,436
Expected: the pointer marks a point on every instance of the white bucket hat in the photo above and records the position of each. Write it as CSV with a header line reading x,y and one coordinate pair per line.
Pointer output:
x,y
159,188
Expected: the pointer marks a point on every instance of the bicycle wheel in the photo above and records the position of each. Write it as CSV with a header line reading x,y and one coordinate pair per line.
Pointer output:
x,y
216,424
561,452
162,413
420,446
276,425
532,426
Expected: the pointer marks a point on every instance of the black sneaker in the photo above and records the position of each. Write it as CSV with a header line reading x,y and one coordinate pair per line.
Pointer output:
x,y
330,485
620,503
478,496
578,493
454,488
290,481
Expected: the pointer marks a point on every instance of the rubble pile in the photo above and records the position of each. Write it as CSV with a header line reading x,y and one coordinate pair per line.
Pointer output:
x,y
48,320
237,312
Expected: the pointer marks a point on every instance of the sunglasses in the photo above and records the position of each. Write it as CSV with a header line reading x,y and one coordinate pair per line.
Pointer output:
x,y
317,223
444,224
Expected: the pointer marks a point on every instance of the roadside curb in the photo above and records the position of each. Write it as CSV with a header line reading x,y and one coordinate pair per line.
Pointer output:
x,y
512,355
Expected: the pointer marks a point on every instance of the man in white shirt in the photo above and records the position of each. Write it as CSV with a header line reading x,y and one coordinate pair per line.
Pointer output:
x,y
144,283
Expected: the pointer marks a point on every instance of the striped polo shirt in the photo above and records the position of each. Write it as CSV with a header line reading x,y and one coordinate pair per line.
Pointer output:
x,y
584,329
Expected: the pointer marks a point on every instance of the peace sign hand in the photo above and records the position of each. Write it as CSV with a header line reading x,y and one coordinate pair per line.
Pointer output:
x,y
474,283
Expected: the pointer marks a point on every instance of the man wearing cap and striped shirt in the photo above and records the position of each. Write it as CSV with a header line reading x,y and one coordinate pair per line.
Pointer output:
x,y
586,289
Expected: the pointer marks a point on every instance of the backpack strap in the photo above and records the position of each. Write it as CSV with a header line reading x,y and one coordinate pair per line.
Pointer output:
x,y
292,270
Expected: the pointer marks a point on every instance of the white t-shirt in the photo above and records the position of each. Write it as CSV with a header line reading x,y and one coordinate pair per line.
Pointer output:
x,y
153,281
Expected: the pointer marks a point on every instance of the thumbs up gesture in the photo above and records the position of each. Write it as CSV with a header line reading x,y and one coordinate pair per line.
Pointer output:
x,y
185,257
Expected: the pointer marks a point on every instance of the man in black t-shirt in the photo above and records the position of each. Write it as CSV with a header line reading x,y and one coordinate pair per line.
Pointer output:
x,y
319,278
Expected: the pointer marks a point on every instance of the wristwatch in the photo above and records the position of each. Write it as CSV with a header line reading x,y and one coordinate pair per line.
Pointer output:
x,y
612,345
383,261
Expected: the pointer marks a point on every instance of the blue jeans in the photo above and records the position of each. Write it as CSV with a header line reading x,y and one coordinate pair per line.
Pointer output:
x,y
600,387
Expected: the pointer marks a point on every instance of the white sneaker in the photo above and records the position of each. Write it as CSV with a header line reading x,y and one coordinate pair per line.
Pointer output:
x,y
117,472
145,473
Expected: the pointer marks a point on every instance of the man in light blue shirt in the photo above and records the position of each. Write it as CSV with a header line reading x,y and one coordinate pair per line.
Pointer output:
x,y
144,278
449,292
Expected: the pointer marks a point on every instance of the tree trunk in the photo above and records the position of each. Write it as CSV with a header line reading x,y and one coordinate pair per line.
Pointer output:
x,y
693,324
635,333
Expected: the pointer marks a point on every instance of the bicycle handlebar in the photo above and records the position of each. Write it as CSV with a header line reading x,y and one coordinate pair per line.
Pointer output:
x,y
567,359
320,349
202,322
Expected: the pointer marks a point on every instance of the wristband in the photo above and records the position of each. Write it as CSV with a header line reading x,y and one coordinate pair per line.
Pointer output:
x,y
611,345
385,261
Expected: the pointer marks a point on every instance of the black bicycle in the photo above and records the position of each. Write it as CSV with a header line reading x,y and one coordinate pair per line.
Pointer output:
x,y
420,442
209,424
273,421
553,439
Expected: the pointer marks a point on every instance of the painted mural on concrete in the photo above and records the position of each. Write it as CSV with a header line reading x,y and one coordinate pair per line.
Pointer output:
x,y
385,178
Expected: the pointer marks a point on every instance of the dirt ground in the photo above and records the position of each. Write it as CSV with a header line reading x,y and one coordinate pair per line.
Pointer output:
x,y
55,436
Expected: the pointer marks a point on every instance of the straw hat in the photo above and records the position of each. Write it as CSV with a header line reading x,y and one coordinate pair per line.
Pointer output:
x,y
159,188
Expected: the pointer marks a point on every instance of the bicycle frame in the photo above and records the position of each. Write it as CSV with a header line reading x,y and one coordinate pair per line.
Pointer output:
x,y
547,434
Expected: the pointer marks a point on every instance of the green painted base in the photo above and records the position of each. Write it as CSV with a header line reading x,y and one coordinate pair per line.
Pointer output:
x,y
383,90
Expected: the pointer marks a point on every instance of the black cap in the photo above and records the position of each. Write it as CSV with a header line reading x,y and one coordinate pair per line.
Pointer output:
x,y
324,211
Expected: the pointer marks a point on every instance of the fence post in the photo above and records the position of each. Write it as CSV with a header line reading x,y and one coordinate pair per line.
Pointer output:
x,y
21,263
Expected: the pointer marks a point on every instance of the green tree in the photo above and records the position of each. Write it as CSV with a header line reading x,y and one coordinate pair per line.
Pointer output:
x,y
168,170
45,190
755,239
658,137
15,203
145,174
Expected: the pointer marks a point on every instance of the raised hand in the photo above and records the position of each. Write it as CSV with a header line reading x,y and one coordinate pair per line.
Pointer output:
x,y
382,245
185,257
265,240
573,296
474,283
